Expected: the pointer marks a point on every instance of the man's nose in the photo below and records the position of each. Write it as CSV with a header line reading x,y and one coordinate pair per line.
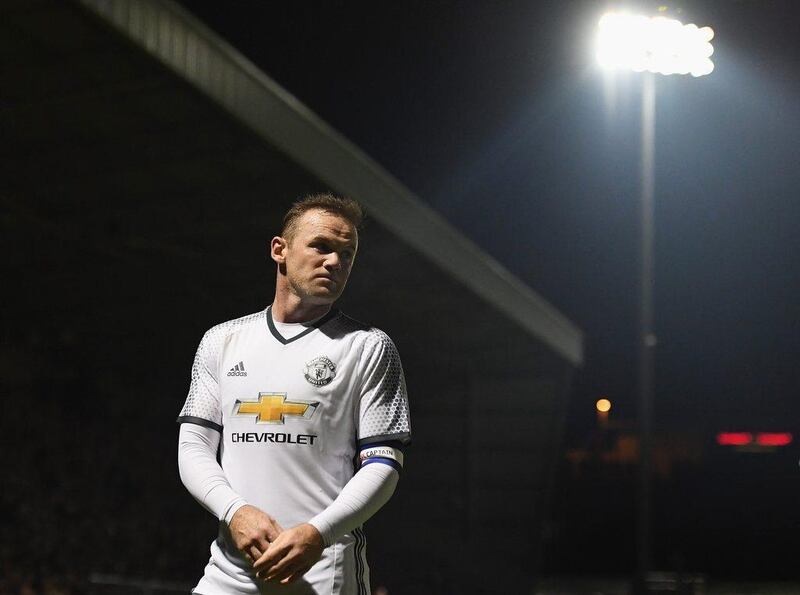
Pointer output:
x,y
333,261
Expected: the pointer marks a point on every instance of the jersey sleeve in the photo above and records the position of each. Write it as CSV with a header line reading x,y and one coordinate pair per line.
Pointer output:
x,y
383,413
202,404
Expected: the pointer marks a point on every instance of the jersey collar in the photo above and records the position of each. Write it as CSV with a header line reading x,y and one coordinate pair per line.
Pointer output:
x,y
311,328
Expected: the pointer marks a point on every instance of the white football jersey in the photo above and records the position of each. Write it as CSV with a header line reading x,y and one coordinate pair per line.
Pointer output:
x,y
293,414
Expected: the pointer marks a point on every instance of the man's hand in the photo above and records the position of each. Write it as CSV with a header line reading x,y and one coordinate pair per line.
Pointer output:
x,y
253,530
291,555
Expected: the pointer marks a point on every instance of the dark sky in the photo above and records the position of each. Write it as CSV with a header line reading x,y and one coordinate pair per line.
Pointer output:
x,y
494,114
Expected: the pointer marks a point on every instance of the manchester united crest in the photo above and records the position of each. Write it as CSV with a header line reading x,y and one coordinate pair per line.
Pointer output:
x,y
320,371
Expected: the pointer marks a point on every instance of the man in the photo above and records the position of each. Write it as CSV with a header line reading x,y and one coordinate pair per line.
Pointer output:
x,y
291,397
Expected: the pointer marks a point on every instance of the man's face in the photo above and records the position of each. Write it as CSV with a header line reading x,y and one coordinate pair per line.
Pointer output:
x,y
318,257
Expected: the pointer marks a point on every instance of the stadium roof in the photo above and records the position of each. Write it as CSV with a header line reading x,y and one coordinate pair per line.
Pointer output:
x,y
191,50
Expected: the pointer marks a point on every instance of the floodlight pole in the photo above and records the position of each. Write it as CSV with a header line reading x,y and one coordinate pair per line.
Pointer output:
x,y
649,46
647,337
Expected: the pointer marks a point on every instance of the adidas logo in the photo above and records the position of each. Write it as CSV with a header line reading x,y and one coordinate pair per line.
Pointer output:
x,y
237,370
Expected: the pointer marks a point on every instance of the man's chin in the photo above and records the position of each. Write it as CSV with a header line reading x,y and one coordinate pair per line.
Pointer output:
x,y
323,298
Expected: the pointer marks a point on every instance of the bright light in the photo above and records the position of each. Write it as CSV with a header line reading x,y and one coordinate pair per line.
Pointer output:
x,y
734,438
603,405
774,438
657,44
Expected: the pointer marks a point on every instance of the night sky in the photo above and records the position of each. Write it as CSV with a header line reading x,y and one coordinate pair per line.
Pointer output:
x,y
495,114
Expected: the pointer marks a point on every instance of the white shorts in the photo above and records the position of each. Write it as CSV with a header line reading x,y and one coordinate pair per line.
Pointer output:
x,y
342,570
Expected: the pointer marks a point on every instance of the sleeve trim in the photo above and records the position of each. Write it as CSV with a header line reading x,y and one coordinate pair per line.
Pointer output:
x,y
404,438
190,419
372,442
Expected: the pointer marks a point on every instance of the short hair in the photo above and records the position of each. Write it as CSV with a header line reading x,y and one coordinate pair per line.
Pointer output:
x,y
344,207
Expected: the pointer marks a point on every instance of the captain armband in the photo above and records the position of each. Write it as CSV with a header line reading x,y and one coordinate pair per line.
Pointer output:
x,y
382,453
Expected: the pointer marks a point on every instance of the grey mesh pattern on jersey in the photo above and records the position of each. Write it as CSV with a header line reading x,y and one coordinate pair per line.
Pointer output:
x,y
384,404
384,412
203,400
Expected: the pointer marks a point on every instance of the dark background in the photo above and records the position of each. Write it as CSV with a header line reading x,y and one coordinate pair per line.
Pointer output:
x,y
495,114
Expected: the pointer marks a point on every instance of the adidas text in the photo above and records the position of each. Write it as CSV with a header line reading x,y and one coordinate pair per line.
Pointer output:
x,y
237,370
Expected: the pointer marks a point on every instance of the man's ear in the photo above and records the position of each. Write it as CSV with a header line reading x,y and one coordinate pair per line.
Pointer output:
x,y
277,249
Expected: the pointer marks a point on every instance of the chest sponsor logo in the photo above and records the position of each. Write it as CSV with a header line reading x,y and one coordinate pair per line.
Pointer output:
x,y
320,371
273,438
272,408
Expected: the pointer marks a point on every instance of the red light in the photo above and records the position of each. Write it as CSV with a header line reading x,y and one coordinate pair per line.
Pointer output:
x,y
774,438
734,438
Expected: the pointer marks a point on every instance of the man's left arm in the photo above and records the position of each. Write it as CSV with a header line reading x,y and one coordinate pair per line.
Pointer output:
x,y
297,549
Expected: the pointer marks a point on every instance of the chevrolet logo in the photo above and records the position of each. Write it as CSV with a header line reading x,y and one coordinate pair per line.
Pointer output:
x,y
272,407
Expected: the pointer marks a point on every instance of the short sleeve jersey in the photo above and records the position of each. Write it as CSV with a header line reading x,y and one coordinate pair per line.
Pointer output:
x,y
293,414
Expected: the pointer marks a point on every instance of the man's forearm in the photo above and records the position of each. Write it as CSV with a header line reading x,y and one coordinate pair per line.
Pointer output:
x,y
201,474
366,492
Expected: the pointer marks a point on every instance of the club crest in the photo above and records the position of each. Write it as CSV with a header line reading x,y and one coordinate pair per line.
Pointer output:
x,y
320,371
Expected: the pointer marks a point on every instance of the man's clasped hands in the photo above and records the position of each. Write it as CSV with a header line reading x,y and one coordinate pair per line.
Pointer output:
x,y
277,554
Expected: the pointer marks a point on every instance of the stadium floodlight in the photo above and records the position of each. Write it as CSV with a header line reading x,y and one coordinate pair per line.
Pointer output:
x,y
654,44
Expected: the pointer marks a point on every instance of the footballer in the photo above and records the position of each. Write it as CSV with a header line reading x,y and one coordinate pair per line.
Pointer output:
x,y
293,430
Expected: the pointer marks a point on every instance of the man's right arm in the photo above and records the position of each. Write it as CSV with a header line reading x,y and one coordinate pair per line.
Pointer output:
x,y
201,473
201,424
252,529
